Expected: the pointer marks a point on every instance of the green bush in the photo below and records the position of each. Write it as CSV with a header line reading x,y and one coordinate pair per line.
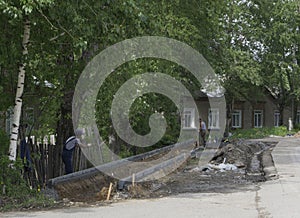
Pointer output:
x,y
256,133
297,127
11,178
4,143
15,193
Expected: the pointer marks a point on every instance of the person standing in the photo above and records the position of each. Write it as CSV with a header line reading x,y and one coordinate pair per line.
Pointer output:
x,y
202,132
68,150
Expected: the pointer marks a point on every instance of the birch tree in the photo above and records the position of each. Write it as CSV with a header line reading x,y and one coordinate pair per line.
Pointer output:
x,y
20,11
19,93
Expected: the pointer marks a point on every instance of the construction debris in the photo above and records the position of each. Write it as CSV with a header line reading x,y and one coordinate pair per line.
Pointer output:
x,y
222,167
236,165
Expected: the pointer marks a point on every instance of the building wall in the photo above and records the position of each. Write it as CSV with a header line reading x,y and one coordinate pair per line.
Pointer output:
x,y
267,105
247,116
203,108
287,113
270,109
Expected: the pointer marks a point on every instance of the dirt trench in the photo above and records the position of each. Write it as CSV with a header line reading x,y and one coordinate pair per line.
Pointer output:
x,y
252,163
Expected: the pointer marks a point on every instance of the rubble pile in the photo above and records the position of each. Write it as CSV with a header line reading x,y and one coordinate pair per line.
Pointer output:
x,y
238,153
248,156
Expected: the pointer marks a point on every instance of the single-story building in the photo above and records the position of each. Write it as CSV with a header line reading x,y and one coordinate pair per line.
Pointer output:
x,y
244,114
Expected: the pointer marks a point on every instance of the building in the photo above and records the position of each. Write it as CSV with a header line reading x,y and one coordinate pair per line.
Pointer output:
x,y
244,114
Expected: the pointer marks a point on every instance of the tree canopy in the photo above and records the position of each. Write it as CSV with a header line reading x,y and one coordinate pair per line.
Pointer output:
x,y
251,45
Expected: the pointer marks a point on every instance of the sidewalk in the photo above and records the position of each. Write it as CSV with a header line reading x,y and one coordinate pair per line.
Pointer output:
x,y
281,198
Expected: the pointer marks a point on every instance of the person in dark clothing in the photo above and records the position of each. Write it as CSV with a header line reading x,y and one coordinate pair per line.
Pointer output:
x,y
202,132
68,149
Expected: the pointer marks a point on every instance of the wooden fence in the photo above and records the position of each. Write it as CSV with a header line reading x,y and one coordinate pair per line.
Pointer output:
x,y
45,161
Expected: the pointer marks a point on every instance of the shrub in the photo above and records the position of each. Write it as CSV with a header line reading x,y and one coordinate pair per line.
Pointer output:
x,y
256,133
15,193
4,143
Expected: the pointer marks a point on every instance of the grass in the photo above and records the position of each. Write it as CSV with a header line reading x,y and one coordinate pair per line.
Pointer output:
x,y
25,202
257,133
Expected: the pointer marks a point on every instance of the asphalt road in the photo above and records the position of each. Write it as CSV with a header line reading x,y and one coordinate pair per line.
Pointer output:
x,y
276,198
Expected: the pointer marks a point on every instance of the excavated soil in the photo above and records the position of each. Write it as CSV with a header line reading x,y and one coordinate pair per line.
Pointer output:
x,y
245,162
236,166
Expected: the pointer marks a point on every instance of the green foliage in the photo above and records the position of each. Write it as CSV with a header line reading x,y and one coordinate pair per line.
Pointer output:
x,y
16,9
11,177
15,193
144,106
276,25
4,143
297,127
250,44
125,151
257,133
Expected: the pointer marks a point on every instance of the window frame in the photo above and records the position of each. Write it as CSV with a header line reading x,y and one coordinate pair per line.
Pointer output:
x,y
239,114
213,113
258,112
191,113
276,118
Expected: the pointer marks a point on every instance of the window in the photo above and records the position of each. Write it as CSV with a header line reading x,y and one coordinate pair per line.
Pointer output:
x,y
189,118
276,118
236,119
258,118
213,118
298,117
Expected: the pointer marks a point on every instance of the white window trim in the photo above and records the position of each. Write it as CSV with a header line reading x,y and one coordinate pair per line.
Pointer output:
x,y
262,118
276,112
192,112
210,111
235,112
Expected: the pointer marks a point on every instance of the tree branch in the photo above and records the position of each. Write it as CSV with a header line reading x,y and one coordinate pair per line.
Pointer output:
x,y
47,19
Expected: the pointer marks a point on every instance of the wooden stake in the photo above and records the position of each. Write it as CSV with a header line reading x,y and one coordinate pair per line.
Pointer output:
x,y
133,179
109,191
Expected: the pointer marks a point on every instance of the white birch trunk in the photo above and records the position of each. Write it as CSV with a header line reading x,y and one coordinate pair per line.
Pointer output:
x,y
19,93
